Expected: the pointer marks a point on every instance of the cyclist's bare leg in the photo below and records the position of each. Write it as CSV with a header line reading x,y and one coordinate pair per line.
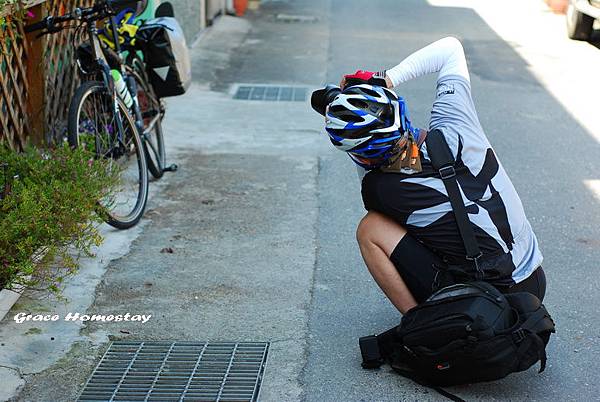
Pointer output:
x,y
377,237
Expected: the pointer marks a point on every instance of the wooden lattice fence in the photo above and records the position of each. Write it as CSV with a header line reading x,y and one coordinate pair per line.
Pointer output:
x,y
37,76
14,85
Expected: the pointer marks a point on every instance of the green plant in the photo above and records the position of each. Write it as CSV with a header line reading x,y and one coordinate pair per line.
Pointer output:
x,y
50,211
5,3
11,12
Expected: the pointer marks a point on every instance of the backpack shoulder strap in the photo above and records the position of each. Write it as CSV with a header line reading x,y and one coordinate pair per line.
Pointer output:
x,y
442,160
411,375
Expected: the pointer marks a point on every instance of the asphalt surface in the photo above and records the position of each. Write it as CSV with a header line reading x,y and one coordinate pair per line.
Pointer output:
x,y
523,121
262,214
346,303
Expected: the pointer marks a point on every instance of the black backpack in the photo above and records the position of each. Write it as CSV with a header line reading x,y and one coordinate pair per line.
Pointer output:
x,y
466,332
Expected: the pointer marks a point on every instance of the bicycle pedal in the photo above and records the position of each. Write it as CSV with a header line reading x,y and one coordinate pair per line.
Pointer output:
x,y
171,168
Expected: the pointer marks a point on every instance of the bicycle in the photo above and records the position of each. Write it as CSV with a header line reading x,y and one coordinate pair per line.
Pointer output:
x,y
99,118
149,109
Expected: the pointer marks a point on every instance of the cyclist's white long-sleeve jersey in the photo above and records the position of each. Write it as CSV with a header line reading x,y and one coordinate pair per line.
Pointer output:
x,y
445,56
420,203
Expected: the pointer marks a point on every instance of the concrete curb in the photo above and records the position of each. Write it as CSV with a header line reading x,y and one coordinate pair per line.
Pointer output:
x,y
8,298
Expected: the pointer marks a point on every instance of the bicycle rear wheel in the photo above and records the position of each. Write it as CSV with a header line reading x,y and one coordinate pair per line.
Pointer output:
x,y
93,125
152,113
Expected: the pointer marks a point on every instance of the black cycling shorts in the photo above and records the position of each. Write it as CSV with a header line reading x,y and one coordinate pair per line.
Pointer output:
x,y
417,264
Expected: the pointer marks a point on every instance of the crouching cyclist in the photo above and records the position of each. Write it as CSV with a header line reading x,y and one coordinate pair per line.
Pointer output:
x,y
409,236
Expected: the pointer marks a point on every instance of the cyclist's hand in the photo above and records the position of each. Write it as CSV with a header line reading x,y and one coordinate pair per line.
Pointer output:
x,y
366,77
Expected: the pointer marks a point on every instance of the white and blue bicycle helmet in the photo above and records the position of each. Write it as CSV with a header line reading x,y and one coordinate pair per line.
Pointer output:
x,y
366,121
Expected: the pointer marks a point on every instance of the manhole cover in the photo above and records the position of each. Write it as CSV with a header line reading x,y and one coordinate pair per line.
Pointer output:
x,y
296,18
271,93
178,371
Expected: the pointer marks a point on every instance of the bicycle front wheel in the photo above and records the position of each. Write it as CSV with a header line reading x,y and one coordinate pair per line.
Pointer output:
x,y
93,125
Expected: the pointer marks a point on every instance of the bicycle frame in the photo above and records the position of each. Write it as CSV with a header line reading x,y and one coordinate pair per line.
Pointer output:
x,y
100,59
138,113
129,80
125,52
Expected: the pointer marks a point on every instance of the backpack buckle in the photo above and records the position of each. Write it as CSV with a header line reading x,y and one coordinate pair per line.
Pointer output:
x,y
474,257
519,335
447,172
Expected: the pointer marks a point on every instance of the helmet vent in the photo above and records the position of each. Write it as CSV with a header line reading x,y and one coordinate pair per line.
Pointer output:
x,y
370,92
359,103
351,117
344,114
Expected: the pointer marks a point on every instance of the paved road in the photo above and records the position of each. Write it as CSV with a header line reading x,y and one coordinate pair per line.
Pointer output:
x,y
262,214
528,126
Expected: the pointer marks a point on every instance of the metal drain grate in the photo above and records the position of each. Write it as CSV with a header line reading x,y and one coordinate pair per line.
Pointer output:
x,y
296,18
271,93
178,371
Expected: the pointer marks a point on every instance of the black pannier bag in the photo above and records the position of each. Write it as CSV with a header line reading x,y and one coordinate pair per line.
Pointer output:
x,y
166,56
464,333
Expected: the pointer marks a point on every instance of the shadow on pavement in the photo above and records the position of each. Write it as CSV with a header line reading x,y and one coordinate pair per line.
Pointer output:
x,y
547,154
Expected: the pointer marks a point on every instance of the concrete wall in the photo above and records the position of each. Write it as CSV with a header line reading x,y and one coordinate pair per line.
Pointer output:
x,y
188,13
194,15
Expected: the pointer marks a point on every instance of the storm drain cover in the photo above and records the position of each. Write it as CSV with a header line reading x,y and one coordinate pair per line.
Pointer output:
x,y
271,93
296,18
178,371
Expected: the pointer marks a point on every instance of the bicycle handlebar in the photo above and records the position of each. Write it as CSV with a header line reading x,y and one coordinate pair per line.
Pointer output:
x,y
43,24
104,8
49,23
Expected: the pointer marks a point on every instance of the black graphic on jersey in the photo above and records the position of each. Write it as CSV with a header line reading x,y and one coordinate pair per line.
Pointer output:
x,y
475,187
389,194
